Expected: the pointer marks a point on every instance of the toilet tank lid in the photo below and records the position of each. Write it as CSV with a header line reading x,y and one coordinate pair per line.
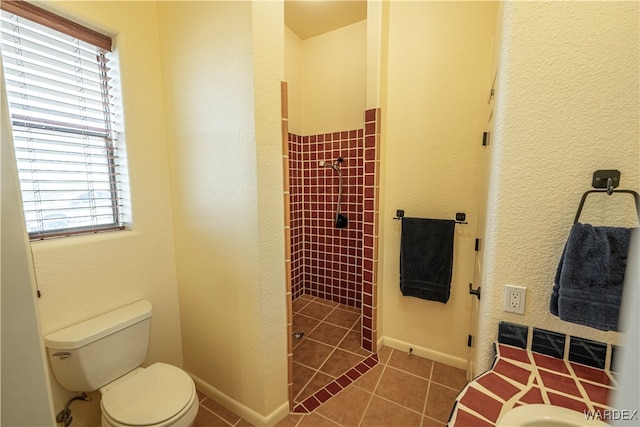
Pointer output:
x,y
88,331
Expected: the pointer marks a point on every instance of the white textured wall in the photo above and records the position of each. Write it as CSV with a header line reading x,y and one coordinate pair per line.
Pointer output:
x,y
268,74
222,65
439,57
26,391
567,105
84,276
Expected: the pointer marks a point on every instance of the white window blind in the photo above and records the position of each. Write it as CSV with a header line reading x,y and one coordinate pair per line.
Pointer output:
x,y
65,138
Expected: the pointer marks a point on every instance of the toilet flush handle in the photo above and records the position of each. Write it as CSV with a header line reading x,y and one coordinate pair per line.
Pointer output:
x,y
62,354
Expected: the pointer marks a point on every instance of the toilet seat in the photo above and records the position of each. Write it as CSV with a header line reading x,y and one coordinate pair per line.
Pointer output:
x,y
157,396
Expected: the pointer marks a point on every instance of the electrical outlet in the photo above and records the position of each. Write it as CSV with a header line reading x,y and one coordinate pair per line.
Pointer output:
x,y
514,299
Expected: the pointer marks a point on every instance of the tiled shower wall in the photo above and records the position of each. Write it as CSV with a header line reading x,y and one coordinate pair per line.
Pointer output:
x,y
331,263
326,259
370,218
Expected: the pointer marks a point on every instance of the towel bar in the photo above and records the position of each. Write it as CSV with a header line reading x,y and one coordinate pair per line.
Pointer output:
x,y
460,216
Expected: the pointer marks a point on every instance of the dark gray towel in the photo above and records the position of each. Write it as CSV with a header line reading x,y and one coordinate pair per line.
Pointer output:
x,y
589,278
426,258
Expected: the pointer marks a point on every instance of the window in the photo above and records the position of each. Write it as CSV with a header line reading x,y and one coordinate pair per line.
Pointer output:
x,y
61,103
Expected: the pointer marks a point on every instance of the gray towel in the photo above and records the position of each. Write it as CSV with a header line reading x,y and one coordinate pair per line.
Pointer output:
x,y
426,258
589,278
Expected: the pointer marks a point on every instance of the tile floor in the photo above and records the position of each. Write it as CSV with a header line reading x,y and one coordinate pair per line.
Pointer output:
x,y
330,345
401,390
212,414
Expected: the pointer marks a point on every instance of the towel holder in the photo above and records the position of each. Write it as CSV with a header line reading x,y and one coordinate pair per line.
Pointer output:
x,y
605,181
460,216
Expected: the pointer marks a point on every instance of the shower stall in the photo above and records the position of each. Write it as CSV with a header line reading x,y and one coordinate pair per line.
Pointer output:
x,y
331,169
333,227
332,207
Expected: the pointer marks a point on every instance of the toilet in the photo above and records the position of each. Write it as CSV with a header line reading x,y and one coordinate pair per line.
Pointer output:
x,y
105,353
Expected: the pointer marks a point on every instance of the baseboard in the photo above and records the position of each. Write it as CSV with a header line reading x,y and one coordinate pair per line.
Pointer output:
x,y
238,408
426,353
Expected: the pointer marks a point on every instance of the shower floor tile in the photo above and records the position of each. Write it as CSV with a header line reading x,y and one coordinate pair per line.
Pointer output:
x,y
330,345
311,354
328,334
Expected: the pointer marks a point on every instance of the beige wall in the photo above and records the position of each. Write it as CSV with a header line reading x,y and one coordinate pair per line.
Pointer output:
x,y
222,64
439,57
294,76
87,275
326,77
210,72
567,105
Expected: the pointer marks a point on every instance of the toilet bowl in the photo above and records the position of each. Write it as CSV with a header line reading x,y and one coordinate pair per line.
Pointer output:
x,y
541,415
105,353
160,395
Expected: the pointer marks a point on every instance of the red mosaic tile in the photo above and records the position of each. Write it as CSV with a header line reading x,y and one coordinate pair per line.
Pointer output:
x,y
333,387
370,154
370,141
311,403
367,299
591,374
597,393
367,333
550,363
369,115
367,311
344,381
371,361
370,128
362,368
513,353
322,395
300,409
497,385
465,419
484,405
561,383
534,395
512,371
353,374
567,402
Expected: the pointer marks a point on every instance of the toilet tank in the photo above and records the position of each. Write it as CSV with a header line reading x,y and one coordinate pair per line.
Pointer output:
x,y
92,353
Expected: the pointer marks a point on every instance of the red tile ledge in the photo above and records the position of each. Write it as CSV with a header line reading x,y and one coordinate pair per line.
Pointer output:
x,y
497,391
